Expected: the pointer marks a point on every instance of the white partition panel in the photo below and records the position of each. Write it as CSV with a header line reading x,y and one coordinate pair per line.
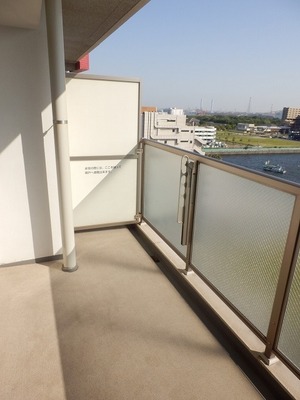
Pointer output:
x,y
103,131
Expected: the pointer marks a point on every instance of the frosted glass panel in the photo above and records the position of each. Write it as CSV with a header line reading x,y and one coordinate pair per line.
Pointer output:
x,y
289,343
95,128
239,239
102,148
103,191
161,188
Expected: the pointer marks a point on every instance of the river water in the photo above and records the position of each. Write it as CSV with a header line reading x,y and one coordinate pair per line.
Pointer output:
x,y
290,162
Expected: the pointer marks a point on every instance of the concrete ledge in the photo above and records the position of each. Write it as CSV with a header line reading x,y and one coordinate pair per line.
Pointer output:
x,y
275,381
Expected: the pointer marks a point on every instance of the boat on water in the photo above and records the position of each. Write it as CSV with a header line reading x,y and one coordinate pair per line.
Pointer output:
x,y
273,168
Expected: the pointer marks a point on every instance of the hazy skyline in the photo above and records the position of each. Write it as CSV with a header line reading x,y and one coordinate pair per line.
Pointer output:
x,y
196,52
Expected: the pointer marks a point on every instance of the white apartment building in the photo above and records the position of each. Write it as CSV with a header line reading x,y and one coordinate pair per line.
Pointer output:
x,y
176,111
205,133
171,129
289,114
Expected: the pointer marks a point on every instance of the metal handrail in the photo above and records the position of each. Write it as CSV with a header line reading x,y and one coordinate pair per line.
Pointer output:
x,y
259,177
292,242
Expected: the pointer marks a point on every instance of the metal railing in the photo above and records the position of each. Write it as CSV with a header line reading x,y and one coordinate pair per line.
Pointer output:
x,y
239,231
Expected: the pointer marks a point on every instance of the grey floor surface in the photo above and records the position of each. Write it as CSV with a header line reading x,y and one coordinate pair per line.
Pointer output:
x,y
115,329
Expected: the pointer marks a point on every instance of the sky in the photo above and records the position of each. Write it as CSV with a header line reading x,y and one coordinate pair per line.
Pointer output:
x,y
217,55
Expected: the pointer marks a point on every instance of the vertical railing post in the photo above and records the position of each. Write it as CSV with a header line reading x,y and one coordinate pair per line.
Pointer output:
x,y
60,124
284,284
140,183
190,214
187,198
186,205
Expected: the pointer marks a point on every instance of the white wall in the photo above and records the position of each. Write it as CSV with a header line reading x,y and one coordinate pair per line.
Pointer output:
x,y
29,213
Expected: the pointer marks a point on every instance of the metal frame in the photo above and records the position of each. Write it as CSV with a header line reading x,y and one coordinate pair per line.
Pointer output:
x,y
290,253
135,153
190,216
284,281
104,226
102,77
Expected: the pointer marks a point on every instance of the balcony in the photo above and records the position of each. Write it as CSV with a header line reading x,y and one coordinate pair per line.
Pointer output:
x,y
200,300
195,295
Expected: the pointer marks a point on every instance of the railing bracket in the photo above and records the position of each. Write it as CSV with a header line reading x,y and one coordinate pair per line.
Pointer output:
x,y
138,218
269,361
188,271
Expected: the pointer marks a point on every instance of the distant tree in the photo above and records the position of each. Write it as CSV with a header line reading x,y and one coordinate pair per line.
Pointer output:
x,y
228,121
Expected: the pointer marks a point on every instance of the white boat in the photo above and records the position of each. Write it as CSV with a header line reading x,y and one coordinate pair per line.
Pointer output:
x,y
273,168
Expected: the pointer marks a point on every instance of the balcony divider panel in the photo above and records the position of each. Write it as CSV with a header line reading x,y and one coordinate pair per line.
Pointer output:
x,y
104,154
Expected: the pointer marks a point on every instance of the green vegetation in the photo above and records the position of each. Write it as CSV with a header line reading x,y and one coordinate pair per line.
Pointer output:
x,y
227,133
234,139
229,122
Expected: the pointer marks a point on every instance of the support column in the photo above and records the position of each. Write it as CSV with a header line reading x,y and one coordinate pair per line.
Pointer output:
x,y
60,125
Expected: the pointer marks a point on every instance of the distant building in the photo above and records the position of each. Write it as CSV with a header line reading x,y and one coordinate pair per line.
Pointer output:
x,y
267,129
149,109
245,127
172,130
289,114
193,121
168,129
296,127
259,129
206,134
176,111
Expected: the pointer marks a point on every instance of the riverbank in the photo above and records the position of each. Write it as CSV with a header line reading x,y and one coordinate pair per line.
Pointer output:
x,y
254,142
253,150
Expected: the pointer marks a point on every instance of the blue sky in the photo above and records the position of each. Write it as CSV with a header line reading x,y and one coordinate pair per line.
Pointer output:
x,y
220,52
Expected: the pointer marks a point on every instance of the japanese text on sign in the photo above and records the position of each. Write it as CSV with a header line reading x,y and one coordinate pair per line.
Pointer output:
x,y
101,170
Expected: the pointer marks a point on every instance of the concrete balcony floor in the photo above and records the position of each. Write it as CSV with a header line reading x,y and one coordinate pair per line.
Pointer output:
x,y
114,329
